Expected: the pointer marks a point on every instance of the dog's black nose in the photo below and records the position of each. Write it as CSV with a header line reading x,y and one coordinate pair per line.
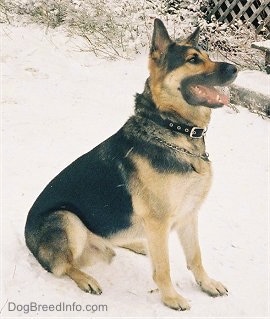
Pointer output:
x,y
227,71
232,69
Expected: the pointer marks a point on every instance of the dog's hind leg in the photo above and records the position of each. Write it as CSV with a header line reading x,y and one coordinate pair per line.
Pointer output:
x,y
66,245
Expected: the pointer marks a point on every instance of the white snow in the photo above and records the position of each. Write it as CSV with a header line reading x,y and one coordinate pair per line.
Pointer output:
x,y
58,103
255,81
264,45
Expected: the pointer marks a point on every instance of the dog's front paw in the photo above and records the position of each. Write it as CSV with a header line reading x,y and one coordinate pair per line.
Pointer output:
x,y
176,302
212,287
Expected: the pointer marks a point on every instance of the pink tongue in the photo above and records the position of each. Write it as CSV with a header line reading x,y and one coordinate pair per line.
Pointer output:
x,y
212,95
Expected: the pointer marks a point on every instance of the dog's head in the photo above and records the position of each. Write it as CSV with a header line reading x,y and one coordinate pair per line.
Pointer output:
x,y
182,75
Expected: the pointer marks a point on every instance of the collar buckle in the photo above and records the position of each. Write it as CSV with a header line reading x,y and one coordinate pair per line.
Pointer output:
x,y
197,132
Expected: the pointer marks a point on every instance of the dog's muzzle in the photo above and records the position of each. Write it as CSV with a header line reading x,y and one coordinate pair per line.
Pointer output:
x,y
201,89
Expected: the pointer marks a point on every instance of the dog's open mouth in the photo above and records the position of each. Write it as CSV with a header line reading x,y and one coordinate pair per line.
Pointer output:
x,y
208,95
205,94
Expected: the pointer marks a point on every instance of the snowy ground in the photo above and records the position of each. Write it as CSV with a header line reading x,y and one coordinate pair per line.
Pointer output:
x,y
57,104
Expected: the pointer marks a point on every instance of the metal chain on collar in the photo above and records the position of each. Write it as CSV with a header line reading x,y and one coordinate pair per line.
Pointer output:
x,y
174,147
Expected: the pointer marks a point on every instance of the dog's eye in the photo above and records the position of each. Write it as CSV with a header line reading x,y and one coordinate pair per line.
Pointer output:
x,y
194,60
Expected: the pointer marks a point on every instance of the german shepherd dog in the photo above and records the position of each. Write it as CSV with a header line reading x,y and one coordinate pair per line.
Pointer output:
x,y
148,178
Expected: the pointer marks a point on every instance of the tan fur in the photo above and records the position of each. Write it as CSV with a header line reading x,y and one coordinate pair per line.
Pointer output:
x,y
138,247
166,193
86,247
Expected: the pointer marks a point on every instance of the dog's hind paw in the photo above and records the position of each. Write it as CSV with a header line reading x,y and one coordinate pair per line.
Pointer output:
x,y
90,285
84,281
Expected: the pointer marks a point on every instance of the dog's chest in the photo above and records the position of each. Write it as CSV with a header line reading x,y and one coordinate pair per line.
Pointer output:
x,y
187,192
168,194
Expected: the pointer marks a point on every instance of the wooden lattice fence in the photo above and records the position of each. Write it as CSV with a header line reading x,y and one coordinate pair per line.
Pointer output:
x,y
256,12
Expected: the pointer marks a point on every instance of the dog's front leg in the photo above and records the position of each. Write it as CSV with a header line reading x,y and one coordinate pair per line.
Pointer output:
x,y
157,232
188,235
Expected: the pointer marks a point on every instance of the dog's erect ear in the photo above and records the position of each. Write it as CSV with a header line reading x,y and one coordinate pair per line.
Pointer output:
x,y
160,39
193,39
